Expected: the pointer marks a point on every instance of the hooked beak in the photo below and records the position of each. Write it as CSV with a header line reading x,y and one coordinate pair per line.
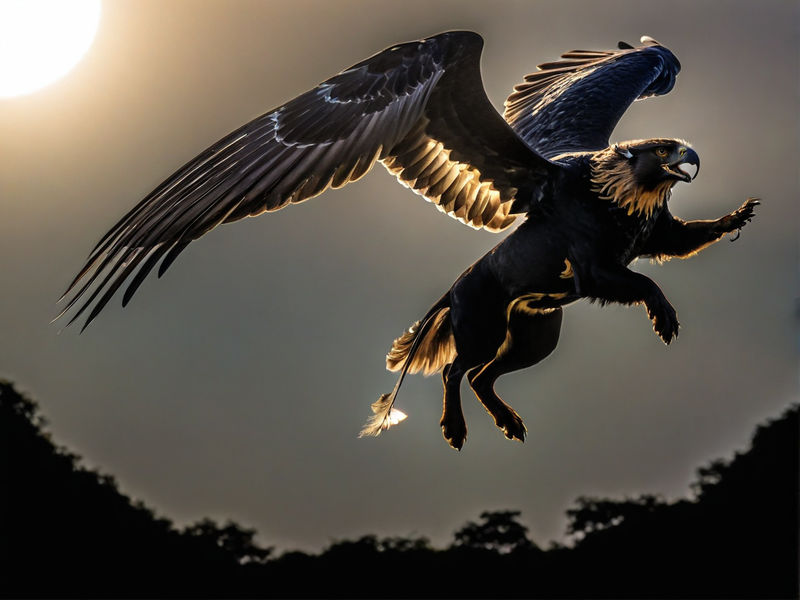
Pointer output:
x,y
687,157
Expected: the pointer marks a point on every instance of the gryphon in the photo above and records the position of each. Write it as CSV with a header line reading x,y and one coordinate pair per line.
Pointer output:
x,y
588,209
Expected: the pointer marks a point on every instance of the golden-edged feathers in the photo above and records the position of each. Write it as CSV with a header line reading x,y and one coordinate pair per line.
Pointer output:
x,y
436,348
613,179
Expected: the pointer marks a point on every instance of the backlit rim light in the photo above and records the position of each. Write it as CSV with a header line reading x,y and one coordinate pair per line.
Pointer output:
x,y
41,40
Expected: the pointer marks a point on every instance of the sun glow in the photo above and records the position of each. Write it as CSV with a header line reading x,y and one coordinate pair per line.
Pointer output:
x,y
41,40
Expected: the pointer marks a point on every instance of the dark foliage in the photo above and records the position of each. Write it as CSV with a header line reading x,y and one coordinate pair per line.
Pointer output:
x,y
67,531
499,532
737,539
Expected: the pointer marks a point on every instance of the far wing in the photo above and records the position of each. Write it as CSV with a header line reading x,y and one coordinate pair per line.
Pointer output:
x,y
419,107
574,104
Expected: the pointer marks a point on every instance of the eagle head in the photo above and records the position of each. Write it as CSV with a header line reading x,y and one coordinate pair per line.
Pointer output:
x,y
656,161
639,174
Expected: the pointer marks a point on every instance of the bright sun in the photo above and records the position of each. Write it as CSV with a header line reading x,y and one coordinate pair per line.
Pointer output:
x,y
41,40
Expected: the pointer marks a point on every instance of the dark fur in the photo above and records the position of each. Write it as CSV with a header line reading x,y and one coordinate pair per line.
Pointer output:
x,y
504,312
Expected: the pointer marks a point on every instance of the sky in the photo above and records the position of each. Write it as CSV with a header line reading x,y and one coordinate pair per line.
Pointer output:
x,y
235,386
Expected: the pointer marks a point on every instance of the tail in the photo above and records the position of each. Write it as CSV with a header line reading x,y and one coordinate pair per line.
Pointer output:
x,y
427,346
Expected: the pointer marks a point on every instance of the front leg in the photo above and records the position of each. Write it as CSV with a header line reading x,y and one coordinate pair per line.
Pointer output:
x,y
615,283
673,237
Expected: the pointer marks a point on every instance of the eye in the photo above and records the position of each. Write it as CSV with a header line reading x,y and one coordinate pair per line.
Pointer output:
x,y
662,152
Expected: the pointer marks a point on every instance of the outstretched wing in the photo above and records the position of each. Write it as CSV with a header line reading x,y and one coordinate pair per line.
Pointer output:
x,y
418,107
574,104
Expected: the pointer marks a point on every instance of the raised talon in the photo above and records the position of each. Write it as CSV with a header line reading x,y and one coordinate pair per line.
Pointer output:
x,y
739,218
744,214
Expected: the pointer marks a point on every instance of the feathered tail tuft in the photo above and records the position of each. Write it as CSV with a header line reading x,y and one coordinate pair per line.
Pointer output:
x,y
432,337
396,357
437,347
385,416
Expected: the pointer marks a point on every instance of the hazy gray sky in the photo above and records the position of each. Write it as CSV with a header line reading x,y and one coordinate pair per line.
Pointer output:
x,y
237,384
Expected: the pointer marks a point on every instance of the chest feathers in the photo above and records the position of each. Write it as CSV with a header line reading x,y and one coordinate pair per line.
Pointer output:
x,y
613,179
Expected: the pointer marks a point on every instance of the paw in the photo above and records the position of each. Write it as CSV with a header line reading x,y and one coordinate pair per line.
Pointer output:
x,y
665,320
511,424
454,430
740,217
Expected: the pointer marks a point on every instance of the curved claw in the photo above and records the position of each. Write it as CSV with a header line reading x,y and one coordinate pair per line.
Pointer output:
x,y
735,221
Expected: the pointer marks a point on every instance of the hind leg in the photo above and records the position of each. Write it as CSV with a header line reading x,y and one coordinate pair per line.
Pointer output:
x,y
478,317
454,427
475,347
532,335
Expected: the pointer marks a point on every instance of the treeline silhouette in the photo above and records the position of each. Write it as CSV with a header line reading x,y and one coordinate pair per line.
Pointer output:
x,y
68,531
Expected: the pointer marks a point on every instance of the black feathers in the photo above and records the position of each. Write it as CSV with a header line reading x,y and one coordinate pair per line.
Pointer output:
x,y
420,109
574,104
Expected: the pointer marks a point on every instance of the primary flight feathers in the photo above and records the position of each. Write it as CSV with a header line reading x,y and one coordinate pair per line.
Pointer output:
x,y
421,110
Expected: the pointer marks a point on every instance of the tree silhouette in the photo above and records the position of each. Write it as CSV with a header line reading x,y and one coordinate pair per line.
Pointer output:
x,y
67,531
595,514
499,531
737,538
231,538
